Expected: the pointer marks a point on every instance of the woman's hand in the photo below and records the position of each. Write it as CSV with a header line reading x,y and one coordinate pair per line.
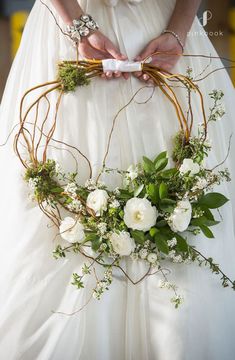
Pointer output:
x,y
165,43
98,46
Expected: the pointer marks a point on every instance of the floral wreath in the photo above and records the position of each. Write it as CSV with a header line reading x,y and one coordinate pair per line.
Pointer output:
x,y
150,215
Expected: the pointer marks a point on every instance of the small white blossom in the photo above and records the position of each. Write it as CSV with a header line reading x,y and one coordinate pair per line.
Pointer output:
x,y
33,183
163,284
132,172
75,205
103,284
147,244
177,259
114,204
58,168
152,258
90,184
103,247
171,254
143,253
116,191
102,227
100,184
220,111
134,256
200,184
71,189
177,300
171,243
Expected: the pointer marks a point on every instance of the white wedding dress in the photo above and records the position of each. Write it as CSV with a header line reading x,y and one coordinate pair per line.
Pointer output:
x,y
129,322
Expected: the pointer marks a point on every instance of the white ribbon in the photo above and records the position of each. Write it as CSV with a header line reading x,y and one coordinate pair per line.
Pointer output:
x,y
114,2
120,65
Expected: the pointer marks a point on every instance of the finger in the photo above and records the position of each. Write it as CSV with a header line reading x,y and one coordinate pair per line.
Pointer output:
x,y
147,51
109,74
114,51
117,74
88,51
138,74
126,75
146,77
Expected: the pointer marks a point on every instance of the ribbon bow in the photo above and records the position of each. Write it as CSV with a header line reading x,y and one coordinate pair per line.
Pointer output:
x,y
114,2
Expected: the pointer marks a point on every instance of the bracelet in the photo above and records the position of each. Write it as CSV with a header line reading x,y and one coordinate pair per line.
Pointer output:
x,y
176,36
82,27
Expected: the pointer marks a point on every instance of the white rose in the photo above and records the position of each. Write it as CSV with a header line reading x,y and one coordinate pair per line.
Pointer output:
x,y
189,165
122,243
97,200
180,218
72,230
139,214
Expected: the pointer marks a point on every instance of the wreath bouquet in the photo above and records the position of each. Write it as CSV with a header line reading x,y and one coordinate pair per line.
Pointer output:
x,y
149,216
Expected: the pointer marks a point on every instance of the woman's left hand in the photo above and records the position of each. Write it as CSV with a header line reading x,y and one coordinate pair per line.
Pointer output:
x,y
165,43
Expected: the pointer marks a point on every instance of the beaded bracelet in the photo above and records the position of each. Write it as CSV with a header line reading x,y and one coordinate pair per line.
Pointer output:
x,y
176,36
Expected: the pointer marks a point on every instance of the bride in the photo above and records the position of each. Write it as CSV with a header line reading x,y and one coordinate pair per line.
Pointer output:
x,y
129,322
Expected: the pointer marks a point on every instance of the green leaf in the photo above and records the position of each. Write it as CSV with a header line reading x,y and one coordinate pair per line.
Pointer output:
x,y
163,190
207,213
153,192
148,165
138,236
96,244
213,200
206,231
161,223
161,242
167,174
168,201
138,190
181,243
125,195
57,190
161,164
95,240
166,207
153,231
202,220
162,155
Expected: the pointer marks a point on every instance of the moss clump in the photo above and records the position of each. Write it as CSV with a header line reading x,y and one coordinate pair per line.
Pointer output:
x,y
71,76
181,149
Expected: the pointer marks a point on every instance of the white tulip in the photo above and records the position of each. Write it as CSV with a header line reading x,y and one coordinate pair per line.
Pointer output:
x,y
139,214
72,230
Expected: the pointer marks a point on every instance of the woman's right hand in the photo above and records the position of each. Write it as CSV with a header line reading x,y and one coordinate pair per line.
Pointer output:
x,y
98,46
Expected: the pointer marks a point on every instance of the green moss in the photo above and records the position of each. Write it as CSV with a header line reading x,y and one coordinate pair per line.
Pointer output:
x,y
181,150
71,77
